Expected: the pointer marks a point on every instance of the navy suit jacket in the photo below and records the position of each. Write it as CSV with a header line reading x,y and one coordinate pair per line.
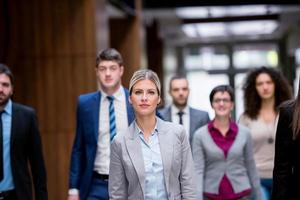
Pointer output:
x,y
198,118
86,139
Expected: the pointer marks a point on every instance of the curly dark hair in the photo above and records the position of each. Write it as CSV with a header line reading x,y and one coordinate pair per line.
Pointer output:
x,y
252,101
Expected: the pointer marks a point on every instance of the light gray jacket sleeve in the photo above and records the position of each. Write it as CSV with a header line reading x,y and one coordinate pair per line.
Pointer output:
x,y
199,160
117,182
187,175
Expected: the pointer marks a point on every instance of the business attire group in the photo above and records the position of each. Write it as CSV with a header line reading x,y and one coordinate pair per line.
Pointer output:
x,y
124,150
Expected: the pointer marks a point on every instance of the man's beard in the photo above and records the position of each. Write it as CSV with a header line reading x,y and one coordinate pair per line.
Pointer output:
x,y
179,104
4,101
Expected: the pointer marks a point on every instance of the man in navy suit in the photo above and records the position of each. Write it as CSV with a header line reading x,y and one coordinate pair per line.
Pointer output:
x,y
179,111
100,115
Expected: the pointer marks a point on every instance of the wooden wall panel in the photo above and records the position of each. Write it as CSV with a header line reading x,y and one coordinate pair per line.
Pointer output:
x,y
155,51
125,36
52,52
51,46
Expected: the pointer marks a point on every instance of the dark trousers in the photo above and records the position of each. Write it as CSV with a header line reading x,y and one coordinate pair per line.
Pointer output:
x,y
9,195
98,190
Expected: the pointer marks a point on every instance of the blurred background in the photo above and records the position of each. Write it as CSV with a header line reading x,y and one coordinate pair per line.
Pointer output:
x,y
51,47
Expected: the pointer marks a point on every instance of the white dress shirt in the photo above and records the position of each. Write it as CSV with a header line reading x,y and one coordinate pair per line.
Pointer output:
x,y
102,159
185,117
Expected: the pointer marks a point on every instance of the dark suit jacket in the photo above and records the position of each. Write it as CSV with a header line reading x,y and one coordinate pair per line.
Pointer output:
x,y
86,139
286,174
26,148
198,118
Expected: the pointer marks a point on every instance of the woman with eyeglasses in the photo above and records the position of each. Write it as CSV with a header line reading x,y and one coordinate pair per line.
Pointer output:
x,y
222,152
264,90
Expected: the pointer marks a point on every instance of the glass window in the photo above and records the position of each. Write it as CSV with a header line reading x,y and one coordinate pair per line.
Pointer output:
x,y
239,94
296,81
248,56
201,84
206,58
297,56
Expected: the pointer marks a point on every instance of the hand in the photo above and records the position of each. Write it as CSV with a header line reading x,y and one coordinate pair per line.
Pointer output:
x,y
73,197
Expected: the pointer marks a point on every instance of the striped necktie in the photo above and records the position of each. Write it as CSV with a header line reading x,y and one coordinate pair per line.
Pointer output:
x,y
112,118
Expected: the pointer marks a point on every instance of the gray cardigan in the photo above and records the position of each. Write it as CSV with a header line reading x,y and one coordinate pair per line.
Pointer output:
x,y
211,164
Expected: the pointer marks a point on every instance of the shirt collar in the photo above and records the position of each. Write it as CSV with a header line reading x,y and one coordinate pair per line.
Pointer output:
x,y
8,107
175,110
118,95
232,126
139,130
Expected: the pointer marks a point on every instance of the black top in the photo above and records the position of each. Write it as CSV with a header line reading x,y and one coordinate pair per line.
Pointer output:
x,y
286,178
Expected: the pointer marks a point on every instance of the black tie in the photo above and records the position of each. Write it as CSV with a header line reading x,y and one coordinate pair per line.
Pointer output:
x,y
180,113
1,146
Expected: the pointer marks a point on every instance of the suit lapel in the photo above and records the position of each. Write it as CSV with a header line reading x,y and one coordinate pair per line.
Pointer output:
x,y
93,108
166,150
193,122
130,112
135,153
14,121
168,115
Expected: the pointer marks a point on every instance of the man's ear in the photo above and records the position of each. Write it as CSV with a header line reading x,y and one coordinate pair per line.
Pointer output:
x,y
122,70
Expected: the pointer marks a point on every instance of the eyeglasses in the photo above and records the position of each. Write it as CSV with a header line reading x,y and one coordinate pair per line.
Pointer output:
x,y
221,100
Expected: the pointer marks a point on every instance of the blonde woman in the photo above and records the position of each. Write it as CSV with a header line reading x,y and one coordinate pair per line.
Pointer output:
x,y
152,159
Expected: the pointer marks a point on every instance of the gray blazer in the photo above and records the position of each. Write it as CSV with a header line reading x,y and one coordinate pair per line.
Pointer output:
x,y
127,172
211,165
198,118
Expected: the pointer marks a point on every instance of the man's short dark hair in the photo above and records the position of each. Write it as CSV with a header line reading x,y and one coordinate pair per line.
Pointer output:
x,y
4,69
109,54
175,77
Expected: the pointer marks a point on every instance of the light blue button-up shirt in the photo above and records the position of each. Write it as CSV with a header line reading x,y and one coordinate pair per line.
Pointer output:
x,y
7,182
154,171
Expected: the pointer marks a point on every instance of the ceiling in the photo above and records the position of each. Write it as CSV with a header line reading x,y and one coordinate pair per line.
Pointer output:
x,y
217,23
182,22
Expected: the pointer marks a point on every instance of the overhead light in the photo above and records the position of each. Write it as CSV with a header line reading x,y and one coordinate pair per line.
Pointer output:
x,y
189,30
218,29
192,12
253,27
224,11
211,29
239,10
